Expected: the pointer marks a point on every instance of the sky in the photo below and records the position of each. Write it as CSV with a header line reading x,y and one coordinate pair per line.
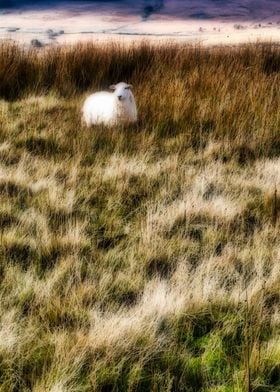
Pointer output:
x,y
202,9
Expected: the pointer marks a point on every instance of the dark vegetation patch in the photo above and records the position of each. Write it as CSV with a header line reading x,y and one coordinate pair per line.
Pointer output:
x,y
58,219
106,235
147,375
243,154
99,193
7,219
168,127
211,191
23,254
47,259
10,157
188,227
34,364
10,188
271,63
123,293
57,317
106,242
193,330
40,146
136,192
260,210
161,266
20,253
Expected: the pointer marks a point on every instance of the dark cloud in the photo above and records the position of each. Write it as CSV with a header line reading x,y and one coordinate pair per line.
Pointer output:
x,y
152,7
145,7
155,4
148,6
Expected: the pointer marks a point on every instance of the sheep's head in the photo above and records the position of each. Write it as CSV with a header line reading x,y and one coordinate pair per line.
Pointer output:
x,y
122,91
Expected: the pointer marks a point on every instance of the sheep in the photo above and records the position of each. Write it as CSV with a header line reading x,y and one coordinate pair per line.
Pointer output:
x,y
110,108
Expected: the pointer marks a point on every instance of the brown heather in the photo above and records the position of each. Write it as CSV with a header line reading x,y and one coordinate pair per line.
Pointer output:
x,y
144,258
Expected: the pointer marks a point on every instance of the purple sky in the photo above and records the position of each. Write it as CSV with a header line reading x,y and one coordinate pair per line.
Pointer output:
x,y
202,9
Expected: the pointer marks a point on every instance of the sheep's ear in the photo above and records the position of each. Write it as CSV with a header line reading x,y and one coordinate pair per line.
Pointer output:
x,y
112,87
130,85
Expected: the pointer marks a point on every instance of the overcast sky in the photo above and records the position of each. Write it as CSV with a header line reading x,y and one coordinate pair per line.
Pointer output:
x,y
195,9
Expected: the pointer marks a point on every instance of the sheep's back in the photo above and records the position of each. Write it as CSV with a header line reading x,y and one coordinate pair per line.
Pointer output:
x,y
99,108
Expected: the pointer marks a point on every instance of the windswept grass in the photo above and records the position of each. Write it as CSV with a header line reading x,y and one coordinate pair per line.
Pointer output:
x,y
142,258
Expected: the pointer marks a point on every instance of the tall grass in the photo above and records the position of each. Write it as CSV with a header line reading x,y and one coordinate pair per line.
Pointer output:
x,y
143,258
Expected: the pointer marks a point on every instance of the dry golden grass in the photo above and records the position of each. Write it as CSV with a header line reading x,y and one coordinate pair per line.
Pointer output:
x,y
142,258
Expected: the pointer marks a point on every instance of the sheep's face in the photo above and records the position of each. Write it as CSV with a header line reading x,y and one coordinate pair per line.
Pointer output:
x,y
122,91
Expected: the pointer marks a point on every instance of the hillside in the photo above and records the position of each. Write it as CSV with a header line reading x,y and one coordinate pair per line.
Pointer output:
x,y
210,22
142,258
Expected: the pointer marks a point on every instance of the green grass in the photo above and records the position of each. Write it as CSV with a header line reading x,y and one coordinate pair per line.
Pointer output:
x,y
143,258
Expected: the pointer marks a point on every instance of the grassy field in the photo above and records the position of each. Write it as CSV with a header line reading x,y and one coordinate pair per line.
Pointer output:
x,y
142,258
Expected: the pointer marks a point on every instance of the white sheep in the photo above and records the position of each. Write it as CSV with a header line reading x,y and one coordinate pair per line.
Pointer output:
x,y
109,108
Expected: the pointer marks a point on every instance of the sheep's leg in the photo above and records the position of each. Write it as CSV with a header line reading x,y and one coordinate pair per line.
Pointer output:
x,y
86,121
